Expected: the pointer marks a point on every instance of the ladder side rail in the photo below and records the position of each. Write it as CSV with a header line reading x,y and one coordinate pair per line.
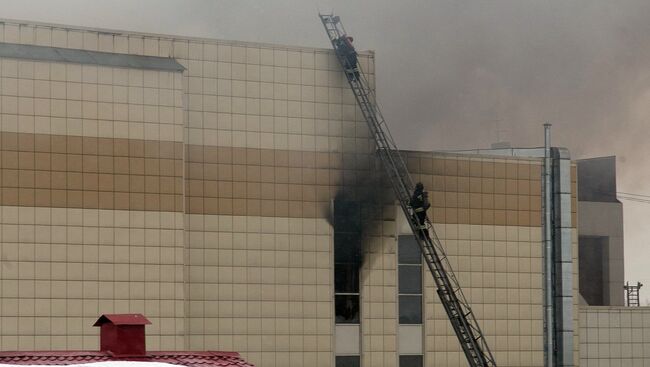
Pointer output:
x,y
469,342
447,293
457,316
337,30
382,133
452,287
384,140
460,324
464,331
459,294
372,100
448,290
362,98
392,162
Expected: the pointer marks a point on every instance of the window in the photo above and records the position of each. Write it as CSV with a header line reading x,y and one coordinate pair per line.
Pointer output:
x,y
409,272
410,309
347,260
410,279
348,361
410,361
409,260
347,308
346,278
409,251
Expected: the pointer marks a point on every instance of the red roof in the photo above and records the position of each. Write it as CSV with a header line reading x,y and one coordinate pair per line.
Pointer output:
x,y
123,319
190,359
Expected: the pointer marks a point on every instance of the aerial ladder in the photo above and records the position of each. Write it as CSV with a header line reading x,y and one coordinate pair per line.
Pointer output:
x,y
458,310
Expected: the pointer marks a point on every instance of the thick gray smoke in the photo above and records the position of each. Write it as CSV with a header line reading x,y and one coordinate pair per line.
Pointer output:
x,y
357,211
485,71
455,74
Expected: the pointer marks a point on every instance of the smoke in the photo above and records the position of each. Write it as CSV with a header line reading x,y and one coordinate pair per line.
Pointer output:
x,y
500,69
466,74
455,74
358,208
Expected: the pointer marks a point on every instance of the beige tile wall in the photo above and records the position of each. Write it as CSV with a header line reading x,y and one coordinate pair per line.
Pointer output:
x,y
614,336
499,269
270,114
90,100
261,284
63,267
493,191
84,136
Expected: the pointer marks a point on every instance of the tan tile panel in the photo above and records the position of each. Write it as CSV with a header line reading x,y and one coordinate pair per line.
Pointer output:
x,y
472,190
92,173
64,266
246,181
86,172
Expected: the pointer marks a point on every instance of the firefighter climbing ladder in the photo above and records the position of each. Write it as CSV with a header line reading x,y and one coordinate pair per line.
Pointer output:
x,y
451,296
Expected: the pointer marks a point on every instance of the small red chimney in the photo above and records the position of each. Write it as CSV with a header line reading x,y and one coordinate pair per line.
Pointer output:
x,y
122,335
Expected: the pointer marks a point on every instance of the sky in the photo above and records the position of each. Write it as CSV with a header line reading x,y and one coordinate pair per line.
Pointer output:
x,y
455,74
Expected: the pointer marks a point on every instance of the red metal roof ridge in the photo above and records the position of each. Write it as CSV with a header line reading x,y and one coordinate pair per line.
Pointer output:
x,y
74,353
123,319
199,353
71,353
183,358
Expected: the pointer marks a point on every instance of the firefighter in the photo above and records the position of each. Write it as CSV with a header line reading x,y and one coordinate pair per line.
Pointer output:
x,y
420,204
344,44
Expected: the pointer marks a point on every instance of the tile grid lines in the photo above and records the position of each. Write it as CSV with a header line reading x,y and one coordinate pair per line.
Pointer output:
x,y
514,237
66,91
24,214
613,336
35,164
137,46
249,226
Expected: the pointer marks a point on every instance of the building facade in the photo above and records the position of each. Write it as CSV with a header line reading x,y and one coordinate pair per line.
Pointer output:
x,y
200,182
600,233
614,336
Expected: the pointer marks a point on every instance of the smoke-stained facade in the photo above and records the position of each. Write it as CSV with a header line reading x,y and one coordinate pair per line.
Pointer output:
x,y
235,201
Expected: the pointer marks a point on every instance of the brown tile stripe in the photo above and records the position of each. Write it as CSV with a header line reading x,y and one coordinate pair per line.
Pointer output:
x,y
241,181
490,176
98,173
266,182
93,173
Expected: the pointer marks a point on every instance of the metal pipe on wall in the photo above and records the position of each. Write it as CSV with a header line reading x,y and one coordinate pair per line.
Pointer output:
x,y
548,252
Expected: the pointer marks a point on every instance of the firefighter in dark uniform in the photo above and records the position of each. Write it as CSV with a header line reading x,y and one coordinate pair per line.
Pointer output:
x,y
344,44
420,204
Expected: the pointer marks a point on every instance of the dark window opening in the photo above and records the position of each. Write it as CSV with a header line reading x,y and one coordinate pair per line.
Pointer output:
x,y
410,279
348,361
347,308
347,247
347,260
347,216
410,361
409,251
410,309
409,274
346,278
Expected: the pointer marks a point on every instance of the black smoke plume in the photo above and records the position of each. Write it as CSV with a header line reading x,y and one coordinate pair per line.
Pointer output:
x,y
360,205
